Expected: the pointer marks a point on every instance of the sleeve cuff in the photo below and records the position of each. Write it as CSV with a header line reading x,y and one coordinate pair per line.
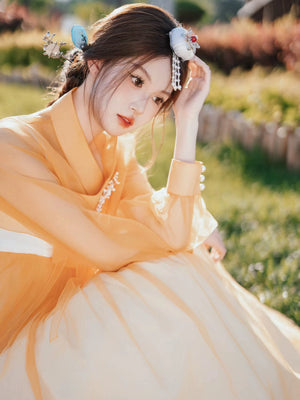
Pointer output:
x,y
184,178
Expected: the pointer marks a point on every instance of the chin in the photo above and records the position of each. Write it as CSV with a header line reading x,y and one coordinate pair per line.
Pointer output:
x,y
117,130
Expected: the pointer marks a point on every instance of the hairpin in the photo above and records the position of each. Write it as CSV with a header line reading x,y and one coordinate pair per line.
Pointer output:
x,y
79,37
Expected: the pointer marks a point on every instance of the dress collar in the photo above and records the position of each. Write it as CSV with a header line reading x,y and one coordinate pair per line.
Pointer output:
x,y
74,144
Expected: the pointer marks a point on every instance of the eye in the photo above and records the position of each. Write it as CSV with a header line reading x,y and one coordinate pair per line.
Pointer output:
x,y
158,100
137,80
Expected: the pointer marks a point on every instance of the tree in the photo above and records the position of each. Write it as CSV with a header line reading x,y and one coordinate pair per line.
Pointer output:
x,y
227,9
35,5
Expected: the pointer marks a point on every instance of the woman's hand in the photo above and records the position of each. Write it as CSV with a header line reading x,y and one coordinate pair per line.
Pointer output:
x,y
215,243
187,108
191,99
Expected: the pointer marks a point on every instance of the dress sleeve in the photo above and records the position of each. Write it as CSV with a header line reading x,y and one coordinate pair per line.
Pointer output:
x,y
177,213
34,203
147,224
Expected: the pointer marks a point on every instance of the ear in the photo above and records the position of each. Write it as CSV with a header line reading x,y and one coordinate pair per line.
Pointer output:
x,y
94,66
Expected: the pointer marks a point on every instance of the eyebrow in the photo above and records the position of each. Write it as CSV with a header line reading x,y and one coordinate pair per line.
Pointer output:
x,y
149,77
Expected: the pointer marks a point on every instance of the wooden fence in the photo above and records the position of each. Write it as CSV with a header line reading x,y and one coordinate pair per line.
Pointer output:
x,y
280,143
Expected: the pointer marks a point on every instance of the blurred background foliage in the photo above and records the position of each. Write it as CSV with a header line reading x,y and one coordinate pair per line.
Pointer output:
x,y
255,64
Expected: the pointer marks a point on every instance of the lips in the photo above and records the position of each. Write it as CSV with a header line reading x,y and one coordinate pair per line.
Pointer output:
x,y
125,122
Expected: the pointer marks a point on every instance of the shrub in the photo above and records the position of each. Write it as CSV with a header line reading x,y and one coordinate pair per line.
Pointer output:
x,y
9,24
188,12
92,11
25,56
244,43
260,94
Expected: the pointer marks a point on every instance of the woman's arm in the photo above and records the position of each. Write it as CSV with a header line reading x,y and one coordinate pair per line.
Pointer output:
x,y
176,213
186,110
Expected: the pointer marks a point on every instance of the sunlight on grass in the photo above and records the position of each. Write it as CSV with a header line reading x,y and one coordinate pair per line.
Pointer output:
x,y
14,99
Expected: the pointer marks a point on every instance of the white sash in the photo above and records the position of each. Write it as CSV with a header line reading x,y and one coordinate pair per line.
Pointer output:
x,y
15,242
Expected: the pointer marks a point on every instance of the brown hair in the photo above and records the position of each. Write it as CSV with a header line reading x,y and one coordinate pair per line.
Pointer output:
x,y
132,35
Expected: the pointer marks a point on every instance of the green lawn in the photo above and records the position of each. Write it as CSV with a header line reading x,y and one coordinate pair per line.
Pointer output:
x,y
257,205
20,99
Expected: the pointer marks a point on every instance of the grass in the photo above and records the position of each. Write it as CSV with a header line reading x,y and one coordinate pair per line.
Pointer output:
x,y
14,99
257,205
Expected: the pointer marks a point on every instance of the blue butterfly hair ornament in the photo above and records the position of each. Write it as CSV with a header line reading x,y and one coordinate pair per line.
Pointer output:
x,y
79,37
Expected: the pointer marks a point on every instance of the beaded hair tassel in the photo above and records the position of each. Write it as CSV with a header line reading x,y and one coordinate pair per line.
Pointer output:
x,y
176,72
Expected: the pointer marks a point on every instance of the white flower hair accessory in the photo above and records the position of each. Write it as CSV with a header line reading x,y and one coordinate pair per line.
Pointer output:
x,y
184,45
53,49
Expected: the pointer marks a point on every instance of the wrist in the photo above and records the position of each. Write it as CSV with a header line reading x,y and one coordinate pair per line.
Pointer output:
x,y
187,127
186,117
185,147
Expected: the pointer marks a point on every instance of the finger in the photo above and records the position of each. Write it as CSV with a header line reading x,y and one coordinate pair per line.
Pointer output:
x,y
218,254
221,255
199,79
198,68
196,71
201,82
214,254
196,83
200,63
217,257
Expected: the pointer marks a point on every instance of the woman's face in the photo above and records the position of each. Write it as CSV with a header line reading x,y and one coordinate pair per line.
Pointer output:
x,y
138,98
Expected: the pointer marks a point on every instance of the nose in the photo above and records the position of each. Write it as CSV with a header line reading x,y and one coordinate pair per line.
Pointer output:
x,y
138,106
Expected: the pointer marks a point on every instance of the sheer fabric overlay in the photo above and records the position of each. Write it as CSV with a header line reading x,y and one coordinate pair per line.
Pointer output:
x,y
51,186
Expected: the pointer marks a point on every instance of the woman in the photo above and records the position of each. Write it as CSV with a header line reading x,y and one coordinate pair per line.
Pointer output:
x,y
108,290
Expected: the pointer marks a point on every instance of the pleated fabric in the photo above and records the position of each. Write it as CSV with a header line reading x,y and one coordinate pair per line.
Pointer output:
x,y
179,327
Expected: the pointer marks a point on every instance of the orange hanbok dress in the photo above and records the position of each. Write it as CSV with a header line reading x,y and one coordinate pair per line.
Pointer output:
x,y
106,289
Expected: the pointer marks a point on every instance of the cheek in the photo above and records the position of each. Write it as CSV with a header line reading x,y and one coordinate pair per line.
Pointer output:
x,y
151,109
149,113
125,90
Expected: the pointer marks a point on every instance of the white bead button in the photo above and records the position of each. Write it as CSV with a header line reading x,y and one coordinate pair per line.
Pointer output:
x,y
202,186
